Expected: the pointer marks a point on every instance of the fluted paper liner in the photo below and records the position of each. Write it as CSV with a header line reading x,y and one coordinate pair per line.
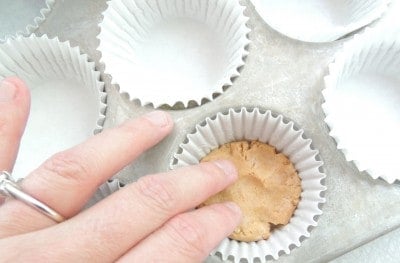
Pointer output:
x,y
273,129
67,98
33,24
319,21
105,190
178,51
362,95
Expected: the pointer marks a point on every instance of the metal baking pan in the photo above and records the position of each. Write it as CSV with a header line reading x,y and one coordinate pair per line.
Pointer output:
x,y
280,74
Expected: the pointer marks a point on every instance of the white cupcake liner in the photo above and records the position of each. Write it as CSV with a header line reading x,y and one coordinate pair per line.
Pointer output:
x,y
267,127
179,51
105,190
362,95
31,25
319,21
67,97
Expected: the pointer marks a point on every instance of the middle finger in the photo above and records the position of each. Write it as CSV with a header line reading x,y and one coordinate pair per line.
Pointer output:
x,y
109,229
67,180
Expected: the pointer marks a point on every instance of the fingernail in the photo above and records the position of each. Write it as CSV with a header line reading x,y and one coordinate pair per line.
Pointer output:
x,y
233,207
7,91
228,168
158,118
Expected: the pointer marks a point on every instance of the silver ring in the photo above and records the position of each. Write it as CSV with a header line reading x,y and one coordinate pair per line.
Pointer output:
x,y
9,188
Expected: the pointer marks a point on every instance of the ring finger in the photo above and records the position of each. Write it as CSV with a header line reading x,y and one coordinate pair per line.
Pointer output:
x,y
68,179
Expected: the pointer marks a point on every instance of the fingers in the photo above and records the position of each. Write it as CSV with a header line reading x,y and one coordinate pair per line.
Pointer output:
x,y
188,237
67,180
116,224
14,111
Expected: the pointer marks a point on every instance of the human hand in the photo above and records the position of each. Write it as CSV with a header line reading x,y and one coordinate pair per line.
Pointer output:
x,y
146,221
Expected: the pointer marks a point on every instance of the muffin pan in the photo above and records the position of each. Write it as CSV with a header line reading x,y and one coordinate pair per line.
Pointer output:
x,y
280,74
26,16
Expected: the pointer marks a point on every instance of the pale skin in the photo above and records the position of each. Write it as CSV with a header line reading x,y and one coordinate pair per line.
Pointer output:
x,y
151,220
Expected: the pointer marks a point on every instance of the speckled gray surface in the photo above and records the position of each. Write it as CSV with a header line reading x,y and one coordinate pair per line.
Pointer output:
x,y
383,249
20,14
280,74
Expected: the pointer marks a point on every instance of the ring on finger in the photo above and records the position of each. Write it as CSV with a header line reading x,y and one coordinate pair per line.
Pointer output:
x,y
9,188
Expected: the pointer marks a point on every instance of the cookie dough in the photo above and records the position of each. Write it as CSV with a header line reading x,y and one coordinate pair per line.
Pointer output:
x,y
268,188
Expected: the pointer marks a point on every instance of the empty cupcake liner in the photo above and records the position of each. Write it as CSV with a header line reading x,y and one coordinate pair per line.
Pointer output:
x,y
22,23
67,97
276,130
178,51
319,21
105,190
362,94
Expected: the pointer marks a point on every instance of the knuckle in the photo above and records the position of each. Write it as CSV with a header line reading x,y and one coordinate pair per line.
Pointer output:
x,y
187,233
67,165
156,193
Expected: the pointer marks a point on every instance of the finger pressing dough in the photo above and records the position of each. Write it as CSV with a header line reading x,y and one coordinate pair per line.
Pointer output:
x,y
268,188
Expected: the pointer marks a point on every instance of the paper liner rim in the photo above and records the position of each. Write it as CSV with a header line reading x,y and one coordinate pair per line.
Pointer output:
x,y
347,30
313,217
195,102
35,23
100,85
329,84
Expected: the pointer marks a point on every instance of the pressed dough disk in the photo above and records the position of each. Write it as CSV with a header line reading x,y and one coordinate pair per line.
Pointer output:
x,y
267,190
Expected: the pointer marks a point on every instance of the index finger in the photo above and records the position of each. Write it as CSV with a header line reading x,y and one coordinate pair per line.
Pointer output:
x,y
67,180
